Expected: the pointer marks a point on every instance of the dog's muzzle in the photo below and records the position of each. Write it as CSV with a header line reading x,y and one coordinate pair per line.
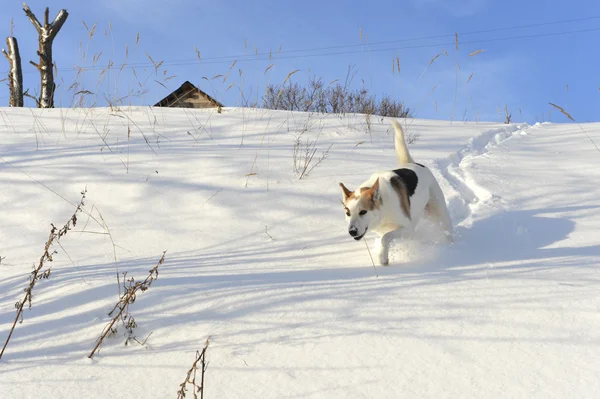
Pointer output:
x,y
354,233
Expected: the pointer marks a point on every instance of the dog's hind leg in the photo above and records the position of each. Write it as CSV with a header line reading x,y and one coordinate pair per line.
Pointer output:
x,y
437,211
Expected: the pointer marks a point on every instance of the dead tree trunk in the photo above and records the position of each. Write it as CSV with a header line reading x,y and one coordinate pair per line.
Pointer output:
x,y
46,34
15,76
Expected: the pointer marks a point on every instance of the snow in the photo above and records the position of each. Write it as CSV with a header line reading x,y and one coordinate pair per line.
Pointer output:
x,y
261,262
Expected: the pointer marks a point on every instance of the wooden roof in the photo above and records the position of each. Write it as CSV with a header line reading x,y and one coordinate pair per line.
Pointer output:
x,y
184,91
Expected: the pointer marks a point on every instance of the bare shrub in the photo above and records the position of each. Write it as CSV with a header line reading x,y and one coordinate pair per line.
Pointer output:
x,y
412,137
304,156
304,150
333,98
38,273
129,296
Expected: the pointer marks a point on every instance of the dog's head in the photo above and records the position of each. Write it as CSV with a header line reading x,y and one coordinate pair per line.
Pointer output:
x,y
362,209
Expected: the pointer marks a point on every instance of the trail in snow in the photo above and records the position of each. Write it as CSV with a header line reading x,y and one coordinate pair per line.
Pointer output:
x,y
465,195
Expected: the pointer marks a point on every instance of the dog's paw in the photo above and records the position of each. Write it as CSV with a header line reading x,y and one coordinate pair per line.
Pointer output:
x,y
383,259
382,252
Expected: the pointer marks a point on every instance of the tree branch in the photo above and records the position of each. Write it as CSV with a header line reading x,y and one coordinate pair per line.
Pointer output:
x,y
37,101
32,18
58,22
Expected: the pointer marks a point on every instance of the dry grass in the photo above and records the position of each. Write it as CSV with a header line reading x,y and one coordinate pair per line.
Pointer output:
x,y
129,296
190,378
39,273
304,156
260,147
563,111
435,57
568,115
114,248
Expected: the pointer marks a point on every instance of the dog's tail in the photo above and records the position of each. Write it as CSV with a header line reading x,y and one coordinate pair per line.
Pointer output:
x,y
401,148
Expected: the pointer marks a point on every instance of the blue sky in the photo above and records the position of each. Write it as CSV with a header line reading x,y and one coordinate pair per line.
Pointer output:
x,y
515,69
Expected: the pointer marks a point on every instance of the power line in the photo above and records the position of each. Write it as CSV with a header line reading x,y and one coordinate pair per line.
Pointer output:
x,y
196,61
174,63
269,56
362,45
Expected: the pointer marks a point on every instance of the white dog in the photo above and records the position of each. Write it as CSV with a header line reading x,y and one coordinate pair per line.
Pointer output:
x,y
390,203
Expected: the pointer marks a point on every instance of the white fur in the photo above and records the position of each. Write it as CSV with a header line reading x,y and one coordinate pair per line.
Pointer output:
x,y
387,218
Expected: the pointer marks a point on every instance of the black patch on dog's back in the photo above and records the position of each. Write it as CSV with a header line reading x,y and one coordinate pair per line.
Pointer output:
x,y
409,178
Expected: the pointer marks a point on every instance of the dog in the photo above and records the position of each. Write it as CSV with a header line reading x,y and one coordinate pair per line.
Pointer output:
x,y
391,203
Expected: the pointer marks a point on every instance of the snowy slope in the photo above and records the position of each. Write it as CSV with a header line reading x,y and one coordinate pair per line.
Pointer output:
x,y
261,261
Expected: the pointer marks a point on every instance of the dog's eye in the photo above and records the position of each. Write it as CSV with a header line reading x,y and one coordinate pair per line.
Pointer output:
x,y
362,213
347,211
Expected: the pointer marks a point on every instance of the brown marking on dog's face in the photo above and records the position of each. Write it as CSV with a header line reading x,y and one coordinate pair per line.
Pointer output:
x,y
369,196
367,199
402,192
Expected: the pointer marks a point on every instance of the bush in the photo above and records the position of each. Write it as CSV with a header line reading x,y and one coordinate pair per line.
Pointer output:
x,y
334,98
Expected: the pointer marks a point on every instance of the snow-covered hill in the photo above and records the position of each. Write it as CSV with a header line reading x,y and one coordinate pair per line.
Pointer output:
x,y
261,261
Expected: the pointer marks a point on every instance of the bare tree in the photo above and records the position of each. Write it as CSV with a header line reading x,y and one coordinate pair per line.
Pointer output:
x,y
46,34
15,75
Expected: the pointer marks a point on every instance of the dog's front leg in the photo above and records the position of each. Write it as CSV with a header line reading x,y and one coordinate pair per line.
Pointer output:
x,y
384,245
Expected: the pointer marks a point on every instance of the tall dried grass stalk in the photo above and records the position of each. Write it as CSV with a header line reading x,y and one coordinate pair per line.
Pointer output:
x,y
568,115
431,62
190,378
128,297
37,274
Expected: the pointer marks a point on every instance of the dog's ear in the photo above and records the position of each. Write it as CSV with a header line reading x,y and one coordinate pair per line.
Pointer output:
x,y
373,192
375,187
346,193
